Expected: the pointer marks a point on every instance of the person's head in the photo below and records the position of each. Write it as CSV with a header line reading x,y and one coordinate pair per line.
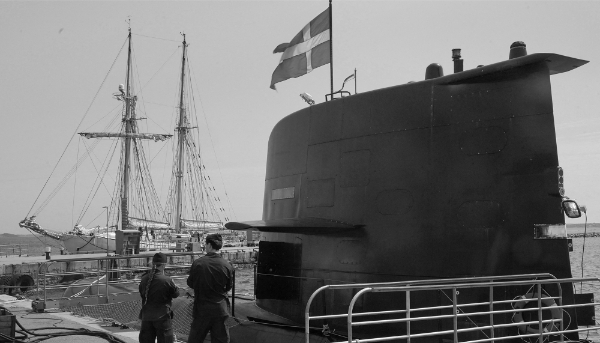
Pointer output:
x,y
159,261
215,241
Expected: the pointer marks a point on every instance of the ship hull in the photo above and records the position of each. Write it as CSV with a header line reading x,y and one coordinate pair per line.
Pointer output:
x,y
75,244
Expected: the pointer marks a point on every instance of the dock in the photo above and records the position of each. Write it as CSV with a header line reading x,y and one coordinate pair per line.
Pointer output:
x,y
106,301
33,321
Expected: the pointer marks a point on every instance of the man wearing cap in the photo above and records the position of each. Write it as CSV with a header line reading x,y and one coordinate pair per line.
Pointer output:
x,y
157,291
211,277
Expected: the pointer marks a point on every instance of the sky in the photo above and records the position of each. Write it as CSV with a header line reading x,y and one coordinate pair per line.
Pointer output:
x,y
56,55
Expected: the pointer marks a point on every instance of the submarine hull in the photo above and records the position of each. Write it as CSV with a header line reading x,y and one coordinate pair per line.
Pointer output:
x,y
442,178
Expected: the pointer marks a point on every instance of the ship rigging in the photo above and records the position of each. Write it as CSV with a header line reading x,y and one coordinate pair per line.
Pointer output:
x,y
192,203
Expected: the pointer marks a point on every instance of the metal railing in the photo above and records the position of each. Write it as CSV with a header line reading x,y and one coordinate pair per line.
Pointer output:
x,y
113,278
14,249
538,296
155,245
118,286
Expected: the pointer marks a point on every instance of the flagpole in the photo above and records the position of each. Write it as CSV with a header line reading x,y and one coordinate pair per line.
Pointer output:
x,y
354,80
331,46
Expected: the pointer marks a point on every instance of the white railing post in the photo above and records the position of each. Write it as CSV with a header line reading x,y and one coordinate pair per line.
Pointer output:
x,y
560,303
455,319
351,309
408,316
107,263
539,302
45,271
492,311
306,311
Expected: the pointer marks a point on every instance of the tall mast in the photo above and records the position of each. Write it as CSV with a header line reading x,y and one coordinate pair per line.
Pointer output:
x,y
129,117
182,131
130,135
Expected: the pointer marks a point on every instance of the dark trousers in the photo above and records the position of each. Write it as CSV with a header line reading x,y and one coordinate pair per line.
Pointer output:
x,y
161,330
201,326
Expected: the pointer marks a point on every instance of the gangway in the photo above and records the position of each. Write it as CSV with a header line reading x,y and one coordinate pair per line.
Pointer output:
x,y
535,300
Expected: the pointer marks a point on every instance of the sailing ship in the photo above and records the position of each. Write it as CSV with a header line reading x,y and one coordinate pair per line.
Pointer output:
x,y
192,204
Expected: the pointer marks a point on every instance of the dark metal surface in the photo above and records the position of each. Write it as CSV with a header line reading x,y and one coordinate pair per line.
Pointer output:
x,y
446,178
295,225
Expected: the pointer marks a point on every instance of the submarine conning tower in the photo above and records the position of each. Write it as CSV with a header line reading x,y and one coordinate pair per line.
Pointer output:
x,y
434,70
517,49
445,177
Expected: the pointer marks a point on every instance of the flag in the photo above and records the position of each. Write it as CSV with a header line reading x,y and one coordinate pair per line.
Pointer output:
x,y
308,50
351,77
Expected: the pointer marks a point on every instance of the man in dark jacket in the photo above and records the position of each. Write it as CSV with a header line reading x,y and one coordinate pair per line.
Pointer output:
x,y
211,277
157,291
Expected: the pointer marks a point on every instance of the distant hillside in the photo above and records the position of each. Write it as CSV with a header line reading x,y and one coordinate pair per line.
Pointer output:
x,y
589,225
7,235
34,245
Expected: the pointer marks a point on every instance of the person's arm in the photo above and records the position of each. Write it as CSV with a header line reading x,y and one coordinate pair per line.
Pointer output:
x,y
190,279
174,290
141,290
229,285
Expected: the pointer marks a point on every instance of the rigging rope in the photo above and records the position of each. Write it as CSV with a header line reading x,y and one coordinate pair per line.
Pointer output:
x,y
461,310
214,152
99,180
106,163
165,39
38,238
77,128
62,183
74,186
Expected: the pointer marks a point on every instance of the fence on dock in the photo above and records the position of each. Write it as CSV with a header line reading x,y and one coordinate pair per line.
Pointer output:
x,y
14,250
53,277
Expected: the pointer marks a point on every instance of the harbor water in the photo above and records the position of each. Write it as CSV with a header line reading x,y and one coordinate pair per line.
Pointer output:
x,y
585,262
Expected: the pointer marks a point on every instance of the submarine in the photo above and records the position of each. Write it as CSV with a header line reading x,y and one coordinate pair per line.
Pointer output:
x,y
454,176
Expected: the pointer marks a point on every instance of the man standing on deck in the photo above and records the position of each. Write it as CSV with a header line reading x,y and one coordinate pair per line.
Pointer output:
x,y
211,277
157,291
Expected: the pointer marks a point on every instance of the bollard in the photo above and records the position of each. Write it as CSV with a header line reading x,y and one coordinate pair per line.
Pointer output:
x,y
48,249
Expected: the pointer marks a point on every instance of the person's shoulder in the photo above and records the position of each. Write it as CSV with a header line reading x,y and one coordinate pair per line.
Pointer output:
x,y
163,278
201,259
223,260
198,261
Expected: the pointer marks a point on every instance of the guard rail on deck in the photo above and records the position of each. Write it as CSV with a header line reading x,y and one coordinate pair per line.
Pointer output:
x,y
540,297
121,272
155,245
114,266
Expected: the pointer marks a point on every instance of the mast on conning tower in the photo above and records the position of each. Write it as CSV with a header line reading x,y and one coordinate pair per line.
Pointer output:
x,y
181,133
